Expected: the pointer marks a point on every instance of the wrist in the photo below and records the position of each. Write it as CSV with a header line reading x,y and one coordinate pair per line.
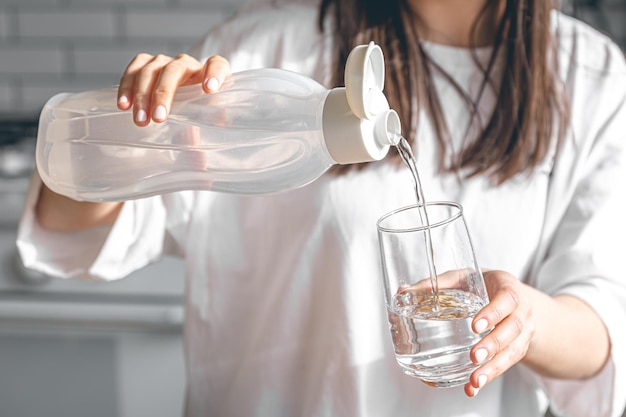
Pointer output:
x,y
58,213
570,341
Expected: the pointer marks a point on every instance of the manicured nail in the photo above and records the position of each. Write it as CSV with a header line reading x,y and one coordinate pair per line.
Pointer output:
x,y
122,100
480,326
160,113
482,380
141,116
476,391
213,84
480,355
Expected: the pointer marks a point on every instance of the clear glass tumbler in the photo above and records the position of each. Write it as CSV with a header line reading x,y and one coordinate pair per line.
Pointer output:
x,y
433,289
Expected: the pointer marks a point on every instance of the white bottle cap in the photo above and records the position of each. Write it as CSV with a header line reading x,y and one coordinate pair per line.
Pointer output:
x,y
357,122
365,80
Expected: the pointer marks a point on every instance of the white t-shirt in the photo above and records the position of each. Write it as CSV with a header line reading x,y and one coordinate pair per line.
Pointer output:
x,y
284,310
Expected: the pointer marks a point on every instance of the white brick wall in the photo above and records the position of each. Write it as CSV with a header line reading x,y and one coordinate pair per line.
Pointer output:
x,y
48,46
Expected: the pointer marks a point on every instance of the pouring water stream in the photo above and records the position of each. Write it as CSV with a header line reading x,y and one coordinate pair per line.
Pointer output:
x,y
404,149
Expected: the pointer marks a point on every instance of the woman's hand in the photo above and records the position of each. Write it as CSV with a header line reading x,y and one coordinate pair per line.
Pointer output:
x,y
557,336
510,314
149,83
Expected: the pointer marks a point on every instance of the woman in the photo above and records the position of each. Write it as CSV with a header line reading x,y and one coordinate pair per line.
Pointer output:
x,y
515,111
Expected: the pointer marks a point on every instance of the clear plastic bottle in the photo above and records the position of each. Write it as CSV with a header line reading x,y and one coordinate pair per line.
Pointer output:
x,y
265,131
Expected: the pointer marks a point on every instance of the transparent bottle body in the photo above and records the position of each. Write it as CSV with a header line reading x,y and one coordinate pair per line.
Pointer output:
x,y
261,133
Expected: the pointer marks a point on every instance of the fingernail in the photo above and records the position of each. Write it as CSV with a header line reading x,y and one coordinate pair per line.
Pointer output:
x,y
122,100
480,326
482,380
213,84
141,116
476,391
480,355
160,113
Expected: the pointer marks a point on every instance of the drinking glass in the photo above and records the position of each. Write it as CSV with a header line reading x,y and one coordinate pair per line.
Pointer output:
x,y
433,288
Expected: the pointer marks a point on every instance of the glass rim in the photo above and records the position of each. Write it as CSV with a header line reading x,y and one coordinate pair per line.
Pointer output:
x,y
422,228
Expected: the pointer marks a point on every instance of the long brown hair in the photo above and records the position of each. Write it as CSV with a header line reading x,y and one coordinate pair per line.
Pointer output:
x,y
531,111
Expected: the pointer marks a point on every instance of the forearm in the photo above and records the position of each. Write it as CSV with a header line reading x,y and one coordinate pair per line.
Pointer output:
x,y
62,214
570,341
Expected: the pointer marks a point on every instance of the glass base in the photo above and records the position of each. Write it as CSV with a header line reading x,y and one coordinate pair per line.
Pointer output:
x,y
443,381
447,383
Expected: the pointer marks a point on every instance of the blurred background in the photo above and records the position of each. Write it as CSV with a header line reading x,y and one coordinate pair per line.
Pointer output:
x,y
70,348
47,46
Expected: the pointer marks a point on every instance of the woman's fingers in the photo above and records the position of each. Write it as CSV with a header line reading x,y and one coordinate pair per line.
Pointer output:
x,y
145,83
127,81
149,84
506,345
216,69
182,70
510,316
504,300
